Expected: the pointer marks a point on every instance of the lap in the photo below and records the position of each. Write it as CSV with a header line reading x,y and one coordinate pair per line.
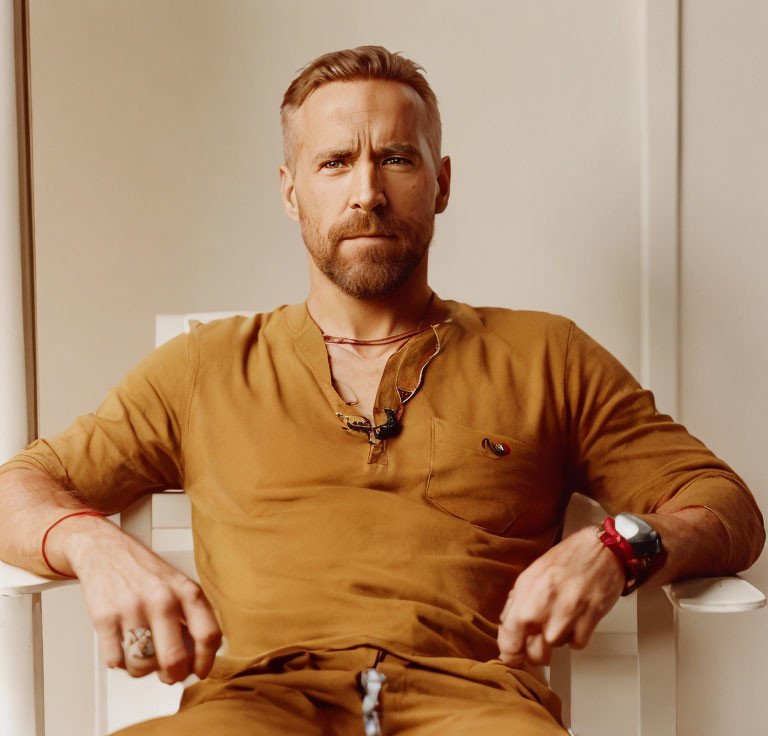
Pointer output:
x,y
317,694
486,701
230,717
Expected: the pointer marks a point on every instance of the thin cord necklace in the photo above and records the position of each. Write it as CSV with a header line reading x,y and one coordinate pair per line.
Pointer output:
x,y
383,340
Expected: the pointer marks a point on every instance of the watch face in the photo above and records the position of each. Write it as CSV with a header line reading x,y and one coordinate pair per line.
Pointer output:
x,y
641,535
632,528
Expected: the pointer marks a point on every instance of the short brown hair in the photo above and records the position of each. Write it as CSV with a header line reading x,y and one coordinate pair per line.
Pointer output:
x,y
361,63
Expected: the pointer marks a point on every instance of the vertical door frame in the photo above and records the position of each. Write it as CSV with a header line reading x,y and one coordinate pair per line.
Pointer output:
x,y
660,322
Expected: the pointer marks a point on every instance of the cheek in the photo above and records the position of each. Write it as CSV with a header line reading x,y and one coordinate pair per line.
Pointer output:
x,y
314,209
418,199
325,202
408,187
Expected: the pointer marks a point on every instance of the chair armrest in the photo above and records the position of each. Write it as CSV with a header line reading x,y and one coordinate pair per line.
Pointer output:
x,y
730,594
17,581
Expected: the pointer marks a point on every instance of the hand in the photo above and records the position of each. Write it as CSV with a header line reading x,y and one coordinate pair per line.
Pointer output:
x,y
126,585
559,598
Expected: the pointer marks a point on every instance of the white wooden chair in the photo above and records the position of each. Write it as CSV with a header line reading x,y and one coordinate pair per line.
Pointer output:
x,y
162,522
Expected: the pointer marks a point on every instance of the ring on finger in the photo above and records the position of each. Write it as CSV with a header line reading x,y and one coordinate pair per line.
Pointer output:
x,y
137,643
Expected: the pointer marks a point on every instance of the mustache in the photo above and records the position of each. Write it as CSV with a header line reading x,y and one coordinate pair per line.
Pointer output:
x,y
363,224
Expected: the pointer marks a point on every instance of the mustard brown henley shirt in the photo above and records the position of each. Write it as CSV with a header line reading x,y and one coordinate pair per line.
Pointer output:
x,y
306,536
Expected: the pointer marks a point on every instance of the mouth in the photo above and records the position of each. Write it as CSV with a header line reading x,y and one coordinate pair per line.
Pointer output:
x,y
368,236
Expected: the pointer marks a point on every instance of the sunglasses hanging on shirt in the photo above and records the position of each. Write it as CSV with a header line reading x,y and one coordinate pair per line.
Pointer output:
x,y
409,379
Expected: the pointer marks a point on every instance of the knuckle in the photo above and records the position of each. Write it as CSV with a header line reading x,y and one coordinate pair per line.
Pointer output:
x,y
190,591
505,628
173,659
549,579
580,640
161,600
570,601
530,613
209,638
104,621
511,627
135,671
536,652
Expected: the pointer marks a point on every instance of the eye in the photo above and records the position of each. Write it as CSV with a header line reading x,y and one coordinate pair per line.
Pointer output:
x,y
335,164
397,160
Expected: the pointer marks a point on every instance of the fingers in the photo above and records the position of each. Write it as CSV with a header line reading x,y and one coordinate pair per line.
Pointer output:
x,y
138,647
528,637
185,631
525,613
134,588
537,649
173,658
115,637
165,612
570,609
531,647
202,627
512,636
535,620
582,633
110,635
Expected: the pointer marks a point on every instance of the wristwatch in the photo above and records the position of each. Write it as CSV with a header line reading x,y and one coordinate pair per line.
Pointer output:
x,y
636,544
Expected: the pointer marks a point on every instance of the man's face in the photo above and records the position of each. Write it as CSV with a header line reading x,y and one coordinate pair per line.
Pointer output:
x,y
365,188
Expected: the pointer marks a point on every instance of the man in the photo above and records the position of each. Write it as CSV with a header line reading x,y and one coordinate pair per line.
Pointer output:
x,y
377,476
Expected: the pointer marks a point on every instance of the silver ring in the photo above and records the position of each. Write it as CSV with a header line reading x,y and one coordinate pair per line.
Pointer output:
x,y
137,643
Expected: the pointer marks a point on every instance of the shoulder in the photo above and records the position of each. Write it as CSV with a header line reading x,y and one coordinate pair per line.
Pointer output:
x,y
223,343
232,330
514,326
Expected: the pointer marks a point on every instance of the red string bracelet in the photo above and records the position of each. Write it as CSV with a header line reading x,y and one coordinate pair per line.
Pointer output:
x,y
45,536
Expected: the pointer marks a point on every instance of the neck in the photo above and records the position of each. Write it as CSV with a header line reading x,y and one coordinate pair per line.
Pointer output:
x,y
341,315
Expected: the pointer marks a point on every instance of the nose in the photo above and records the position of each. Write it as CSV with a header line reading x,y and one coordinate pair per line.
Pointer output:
x,y
367,187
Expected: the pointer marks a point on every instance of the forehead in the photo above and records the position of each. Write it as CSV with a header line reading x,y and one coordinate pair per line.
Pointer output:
x,y
340,111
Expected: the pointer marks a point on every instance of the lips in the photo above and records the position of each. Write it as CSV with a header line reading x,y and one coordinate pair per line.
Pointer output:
x,y
369,235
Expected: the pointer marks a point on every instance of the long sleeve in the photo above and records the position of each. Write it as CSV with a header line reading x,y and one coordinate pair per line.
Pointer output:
x,y
630,457
132,444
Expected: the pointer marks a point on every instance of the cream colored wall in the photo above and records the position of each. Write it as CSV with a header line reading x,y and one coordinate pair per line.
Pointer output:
x,y
156,144
724,346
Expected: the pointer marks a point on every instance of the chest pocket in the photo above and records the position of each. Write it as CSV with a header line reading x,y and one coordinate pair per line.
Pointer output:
x,y
469,481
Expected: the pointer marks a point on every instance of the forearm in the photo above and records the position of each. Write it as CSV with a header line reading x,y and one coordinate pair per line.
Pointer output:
x,y
694,541
30,501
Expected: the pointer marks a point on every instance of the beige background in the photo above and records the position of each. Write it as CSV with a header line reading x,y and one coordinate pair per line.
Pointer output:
x,y
156,146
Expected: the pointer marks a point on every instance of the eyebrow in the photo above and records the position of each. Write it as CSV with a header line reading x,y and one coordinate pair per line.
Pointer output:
x,y
388,149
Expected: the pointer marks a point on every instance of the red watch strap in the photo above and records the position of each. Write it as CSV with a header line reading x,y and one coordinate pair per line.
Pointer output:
x,y
634,567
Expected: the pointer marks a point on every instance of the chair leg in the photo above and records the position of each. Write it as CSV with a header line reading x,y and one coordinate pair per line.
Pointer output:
x,y
21,665
656,663
100,711
560,680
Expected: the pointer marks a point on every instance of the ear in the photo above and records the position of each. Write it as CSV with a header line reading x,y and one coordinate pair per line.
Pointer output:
x,y
288,193
443,185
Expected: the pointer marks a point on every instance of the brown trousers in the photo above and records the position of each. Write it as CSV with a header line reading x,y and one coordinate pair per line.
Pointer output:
x,y
317,694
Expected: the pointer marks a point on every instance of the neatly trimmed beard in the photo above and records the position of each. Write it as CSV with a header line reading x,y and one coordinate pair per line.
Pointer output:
x,y
374,271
